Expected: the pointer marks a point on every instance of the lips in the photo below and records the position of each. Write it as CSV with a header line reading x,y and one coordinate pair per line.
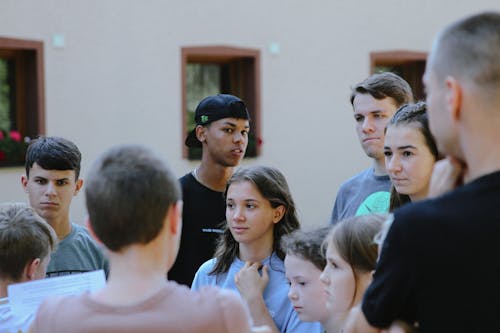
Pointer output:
x,y
370,139
49,204
239,230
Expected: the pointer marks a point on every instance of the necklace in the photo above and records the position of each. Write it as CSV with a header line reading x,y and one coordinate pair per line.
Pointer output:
x,y
195,175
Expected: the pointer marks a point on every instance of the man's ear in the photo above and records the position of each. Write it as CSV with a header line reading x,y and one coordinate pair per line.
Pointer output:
x,y
201,133
24,183
453,97
78,187
91,231
174,216
30,269
278,214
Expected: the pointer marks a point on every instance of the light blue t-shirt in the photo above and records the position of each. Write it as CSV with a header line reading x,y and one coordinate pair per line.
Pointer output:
x,y
275,295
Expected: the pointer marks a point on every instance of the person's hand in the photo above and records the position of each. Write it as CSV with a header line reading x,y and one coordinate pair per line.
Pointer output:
x,y
448,174
250,282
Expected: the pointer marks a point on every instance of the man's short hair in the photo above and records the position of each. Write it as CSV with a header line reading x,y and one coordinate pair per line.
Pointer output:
x,y
53,153
24,236
383,85
129,191
470,49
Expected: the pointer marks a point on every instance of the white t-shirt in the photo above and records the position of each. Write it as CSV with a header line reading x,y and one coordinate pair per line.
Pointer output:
x,y
10,323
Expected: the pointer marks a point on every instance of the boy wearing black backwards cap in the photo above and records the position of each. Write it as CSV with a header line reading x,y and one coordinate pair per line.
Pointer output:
x,y
222,126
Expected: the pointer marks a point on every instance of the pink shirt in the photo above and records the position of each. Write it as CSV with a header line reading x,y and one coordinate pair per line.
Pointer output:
x,y
174,309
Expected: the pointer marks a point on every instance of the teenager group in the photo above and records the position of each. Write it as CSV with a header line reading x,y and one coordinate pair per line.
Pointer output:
x,y
238,242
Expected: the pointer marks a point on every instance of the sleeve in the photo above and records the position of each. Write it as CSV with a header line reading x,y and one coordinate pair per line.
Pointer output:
x,y
392,292
202,277
335,213
235,314
336,207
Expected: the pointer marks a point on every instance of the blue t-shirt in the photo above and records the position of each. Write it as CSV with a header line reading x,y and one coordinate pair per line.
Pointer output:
x,y
275,295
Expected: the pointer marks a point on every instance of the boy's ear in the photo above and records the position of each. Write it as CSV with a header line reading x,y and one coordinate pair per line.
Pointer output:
x,y
91,231
174,217
200,132
279,212
24,183
78,187
30,269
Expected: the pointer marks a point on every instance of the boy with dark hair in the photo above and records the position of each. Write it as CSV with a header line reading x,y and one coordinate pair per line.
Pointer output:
x,y
374,101
26,242
51,181
134,206
222,126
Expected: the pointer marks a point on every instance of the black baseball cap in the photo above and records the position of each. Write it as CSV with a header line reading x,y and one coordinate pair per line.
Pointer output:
x,y
213,108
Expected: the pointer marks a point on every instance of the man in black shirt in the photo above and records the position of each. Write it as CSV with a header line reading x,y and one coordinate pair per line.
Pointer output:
x,y
222,125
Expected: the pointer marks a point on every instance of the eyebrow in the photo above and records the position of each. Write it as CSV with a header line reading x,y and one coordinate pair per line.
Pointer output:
x,y
407,147
401,147
233,124
40,177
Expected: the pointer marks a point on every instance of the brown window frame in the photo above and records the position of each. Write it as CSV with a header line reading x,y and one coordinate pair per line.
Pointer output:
x,y
224,54
30,89
410,61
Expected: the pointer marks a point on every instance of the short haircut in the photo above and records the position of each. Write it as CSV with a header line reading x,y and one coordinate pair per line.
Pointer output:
x,y
53,153
469,49
24,236
383,85
307,244
129,191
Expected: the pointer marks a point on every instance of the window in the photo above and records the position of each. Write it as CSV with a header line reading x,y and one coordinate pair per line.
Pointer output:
x,y
407,64
21,90
211,70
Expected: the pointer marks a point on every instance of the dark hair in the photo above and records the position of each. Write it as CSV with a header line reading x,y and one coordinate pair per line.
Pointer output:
x,y
469,49
353,239
273,186
382,85
307,244
53,153
129,191
24,236
414,115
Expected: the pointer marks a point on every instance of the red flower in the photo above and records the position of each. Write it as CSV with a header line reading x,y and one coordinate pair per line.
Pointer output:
x,y
1,135
2,154
15,135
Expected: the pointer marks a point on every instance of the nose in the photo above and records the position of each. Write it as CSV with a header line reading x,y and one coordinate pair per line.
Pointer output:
x,y
324,277
393,164
291,293
238,215
367,125
238,137
50,189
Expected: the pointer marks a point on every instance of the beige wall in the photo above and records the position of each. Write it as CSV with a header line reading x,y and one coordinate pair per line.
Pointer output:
x,y
117,80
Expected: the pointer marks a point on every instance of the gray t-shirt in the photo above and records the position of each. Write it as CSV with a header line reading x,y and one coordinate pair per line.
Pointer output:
x,y
362,194
77,253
